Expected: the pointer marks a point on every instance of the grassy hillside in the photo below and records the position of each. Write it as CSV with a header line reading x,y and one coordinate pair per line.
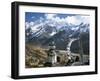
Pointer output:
x,y
35,56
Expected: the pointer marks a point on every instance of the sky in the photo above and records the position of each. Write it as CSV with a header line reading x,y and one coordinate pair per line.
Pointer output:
x,y
33,18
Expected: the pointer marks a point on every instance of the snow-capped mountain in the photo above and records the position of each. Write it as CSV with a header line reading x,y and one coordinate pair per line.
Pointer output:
x,y
49,28
44,32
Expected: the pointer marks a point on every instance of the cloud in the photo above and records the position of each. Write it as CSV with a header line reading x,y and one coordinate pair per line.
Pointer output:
x,y
50,16
54,19
76,20
33,17
71,20
27,25
85,19
31,23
